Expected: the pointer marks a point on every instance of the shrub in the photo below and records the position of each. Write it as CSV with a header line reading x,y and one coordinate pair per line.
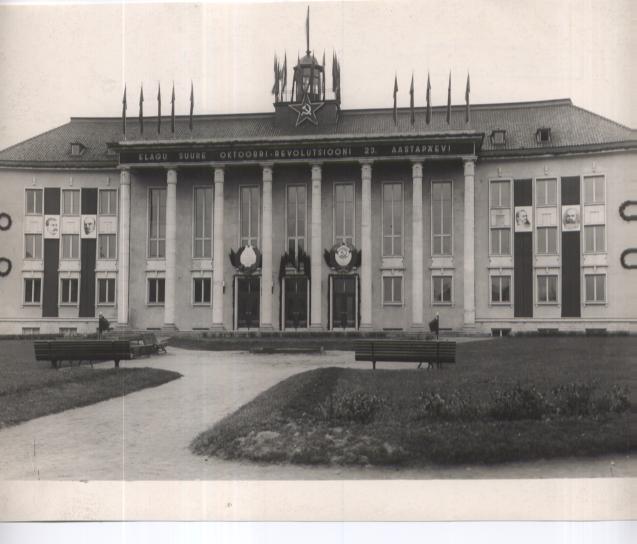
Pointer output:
x,y
456,406
357,406
521,402
573,399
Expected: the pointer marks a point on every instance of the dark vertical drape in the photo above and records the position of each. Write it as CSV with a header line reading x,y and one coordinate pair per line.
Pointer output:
x,y
51,259
523,255
571,283
88,256
89,201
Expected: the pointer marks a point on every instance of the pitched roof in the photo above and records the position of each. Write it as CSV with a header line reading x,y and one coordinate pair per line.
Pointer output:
x,y
572,129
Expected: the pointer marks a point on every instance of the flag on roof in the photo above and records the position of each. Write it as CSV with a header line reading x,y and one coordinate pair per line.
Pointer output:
x,y
124,111
172,110
449,100
141,109
411,101
158,108
192,103
395,96
428,99
466,98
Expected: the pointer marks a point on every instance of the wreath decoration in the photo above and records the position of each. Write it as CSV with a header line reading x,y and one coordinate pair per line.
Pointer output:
x,y
5,269
625,253
246,260
5,221
622,210
343,257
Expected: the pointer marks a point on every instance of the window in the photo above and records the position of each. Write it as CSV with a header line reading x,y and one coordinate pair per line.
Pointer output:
x,y
594,190
546,192
501,241
441,217
595,286
30,331
344,213
156,290
392,219
70,202
498,137
594,239
547,240
68,331
108,202
296,218
202,234
32,290
77,149
34,201
68,292
441,289
501,194
201,290
106,291
107,246
392,290
500,289
157,223
249,204
70,246
547,288
543,135
32,246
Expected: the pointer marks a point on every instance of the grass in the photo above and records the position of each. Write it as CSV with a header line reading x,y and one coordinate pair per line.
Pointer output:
x,y
30,388
314,418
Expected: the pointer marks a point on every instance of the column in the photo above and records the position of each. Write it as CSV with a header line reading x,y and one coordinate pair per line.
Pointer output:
x,y
417,299
218,253
266,250
366,246
123,245
171,248
316,249
469,245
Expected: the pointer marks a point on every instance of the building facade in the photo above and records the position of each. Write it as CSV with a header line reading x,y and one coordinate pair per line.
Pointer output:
x,y
313,217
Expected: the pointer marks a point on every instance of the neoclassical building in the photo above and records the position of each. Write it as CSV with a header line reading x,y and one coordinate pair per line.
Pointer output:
x,y
315,217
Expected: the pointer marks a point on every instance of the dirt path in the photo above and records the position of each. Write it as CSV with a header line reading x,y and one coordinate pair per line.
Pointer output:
x,y
145,435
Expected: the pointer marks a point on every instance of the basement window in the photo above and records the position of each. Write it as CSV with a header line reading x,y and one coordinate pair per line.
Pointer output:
x,y
498,137
543,135
77,149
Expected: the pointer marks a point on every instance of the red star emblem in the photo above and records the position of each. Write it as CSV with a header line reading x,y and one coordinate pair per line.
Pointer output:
x,y
307,110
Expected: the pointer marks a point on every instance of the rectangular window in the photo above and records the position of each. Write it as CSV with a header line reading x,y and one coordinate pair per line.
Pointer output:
x,y
546,192
202,239
547,288
34,201
595,287
594,239
441,289
106,291
30,331
156,290
344,213
594,190
249,207
501,194
70,246
68,291
32,290
500,289
441,217
68,331
108,202
201,290
392,219
501,241
107,246
32,246
547,240
157,223
70,202
392,290
296,218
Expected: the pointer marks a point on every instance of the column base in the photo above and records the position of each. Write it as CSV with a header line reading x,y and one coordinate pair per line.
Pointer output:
x,y
217,327
169,327
121,327
366,327
267,328
418,327
316,327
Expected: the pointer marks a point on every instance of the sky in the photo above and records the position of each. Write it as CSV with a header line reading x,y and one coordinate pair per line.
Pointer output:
x,y
59,61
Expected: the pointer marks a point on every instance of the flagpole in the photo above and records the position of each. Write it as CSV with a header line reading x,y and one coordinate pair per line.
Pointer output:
x,y
192,103
449,100
124,106
158,108
172,110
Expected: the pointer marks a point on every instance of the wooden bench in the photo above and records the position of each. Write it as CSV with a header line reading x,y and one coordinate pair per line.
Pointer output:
x,y
405,351
149,339
141,343
82,350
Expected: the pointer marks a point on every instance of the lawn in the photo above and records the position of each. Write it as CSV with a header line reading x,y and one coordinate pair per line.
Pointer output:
x,y
30,388
505,399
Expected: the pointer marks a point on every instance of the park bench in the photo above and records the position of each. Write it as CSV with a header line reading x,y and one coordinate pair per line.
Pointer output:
x,y
91,351
433,352
141,343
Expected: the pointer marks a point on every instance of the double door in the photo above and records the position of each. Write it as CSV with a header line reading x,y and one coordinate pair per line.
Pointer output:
x,y
344,302
248,302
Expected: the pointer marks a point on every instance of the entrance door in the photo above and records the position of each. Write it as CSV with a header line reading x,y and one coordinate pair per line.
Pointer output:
x,y
248,296
295,303
344,308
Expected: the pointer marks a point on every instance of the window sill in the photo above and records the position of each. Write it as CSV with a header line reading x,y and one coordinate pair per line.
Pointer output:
x,y
552,303
500,304
106,304
393,304
69,304
201,304
155,304
595,303
442,304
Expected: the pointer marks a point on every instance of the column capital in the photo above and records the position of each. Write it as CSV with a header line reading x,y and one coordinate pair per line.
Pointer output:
x,y
316,172
469,167
416,169
267,172
365,161
124,177
219,174
171,176
366,170
267,164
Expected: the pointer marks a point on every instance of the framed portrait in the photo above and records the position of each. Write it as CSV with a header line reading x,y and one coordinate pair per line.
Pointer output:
x,y
571,217
52,226
88,229
523,218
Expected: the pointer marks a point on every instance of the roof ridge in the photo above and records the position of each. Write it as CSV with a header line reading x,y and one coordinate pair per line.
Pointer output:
x,y
33,137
